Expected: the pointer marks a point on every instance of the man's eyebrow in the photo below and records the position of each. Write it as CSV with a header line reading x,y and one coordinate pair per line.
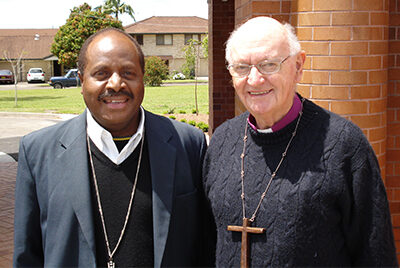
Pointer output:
x,y
100,66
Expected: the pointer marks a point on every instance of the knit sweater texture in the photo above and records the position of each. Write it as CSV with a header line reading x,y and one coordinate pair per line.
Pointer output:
x,y
327,205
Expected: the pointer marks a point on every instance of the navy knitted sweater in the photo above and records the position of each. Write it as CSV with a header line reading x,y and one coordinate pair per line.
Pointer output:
x,y
327,206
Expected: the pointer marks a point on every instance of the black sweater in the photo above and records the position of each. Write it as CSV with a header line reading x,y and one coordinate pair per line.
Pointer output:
x,y
327,206
115,186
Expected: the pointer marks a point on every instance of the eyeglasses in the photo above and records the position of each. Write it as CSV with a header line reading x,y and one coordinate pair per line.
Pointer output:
x,y
264,67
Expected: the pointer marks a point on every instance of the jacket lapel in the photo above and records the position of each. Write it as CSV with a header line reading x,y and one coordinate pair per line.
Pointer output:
x,y
76,175
162,165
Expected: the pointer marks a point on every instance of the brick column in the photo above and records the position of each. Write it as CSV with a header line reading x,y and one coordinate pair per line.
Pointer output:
x,y
393,119
221,93
346,69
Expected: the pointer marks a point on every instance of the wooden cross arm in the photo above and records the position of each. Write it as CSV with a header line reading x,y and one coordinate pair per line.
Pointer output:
x,y
245,229
253,230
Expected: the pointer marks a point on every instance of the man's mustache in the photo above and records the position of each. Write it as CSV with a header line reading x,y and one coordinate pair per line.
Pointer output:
x,y
112,93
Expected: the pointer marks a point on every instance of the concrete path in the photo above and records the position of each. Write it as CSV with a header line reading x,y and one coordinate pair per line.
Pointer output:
x,y
15,125
12,127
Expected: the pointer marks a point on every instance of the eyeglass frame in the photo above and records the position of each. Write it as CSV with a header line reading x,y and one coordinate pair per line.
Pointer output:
x,y
257,67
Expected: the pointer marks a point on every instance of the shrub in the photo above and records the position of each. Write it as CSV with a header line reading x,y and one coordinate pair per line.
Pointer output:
x,y
179,76
172,117
192,122
203,126
155,71
183,120
194,111
170,111
182,111
188,71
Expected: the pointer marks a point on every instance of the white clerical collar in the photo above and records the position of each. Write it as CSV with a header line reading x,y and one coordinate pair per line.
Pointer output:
x,y
267,130
104,140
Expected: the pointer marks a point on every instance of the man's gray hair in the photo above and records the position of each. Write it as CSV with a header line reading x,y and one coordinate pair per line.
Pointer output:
x,y
294,45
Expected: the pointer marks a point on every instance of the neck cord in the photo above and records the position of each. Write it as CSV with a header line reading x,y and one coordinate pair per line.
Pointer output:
x,y
111,253
273,174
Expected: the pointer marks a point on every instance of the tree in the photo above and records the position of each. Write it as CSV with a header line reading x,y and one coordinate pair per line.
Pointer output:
x,y
191,66
116,7
82,23
188,68
17,66
192,53
204,45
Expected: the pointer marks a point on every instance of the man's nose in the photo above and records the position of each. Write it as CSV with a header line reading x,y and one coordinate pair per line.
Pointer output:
x,y
115,82
255,77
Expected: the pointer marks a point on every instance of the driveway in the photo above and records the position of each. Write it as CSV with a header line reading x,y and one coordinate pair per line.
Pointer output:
x,y
25,85
15,125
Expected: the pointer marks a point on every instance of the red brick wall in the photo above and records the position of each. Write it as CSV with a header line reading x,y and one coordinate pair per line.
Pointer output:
x,y
393,119
346,69
221,92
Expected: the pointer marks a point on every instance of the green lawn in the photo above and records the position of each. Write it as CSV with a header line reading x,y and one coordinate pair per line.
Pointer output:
x,y
175,99
157,100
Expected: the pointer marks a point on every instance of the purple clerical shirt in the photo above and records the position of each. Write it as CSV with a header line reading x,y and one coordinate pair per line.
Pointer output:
x,y
286,120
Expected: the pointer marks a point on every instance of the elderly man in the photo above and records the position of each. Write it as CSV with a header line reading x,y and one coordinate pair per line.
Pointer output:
x,y
291,184
117,185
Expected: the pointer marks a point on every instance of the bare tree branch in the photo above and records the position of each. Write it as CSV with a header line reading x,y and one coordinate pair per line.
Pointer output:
x,y
17,66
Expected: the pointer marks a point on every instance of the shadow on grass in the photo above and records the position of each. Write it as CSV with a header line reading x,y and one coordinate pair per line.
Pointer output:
x,y
30,98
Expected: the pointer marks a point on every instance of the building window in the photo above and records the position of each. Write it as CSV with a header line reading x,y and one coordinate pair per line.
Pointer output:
x,y
138,37
164,39
196,37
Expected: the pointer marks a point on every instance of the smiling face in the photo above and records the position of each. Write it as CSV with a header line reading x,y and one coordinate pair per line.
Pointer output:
x,y
267,97
112,83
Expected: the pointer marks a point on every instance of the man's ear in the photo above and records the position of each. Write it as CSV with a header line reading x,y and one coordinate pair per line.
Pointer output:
x,y
300,59
81,78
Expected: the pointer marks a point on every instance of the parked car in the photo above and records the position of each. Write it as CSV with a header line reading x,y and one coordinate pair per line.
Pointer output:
x,y
71,79
6,76
35,74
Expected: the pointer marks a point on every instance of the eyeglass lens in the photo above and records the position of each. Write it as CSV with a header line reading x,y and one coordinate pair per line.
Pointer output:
x,y
264,67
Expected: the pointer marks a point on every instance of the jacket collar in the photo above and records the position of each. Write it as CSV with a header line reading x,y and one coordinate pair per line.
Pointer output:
x,y
74,159
162,155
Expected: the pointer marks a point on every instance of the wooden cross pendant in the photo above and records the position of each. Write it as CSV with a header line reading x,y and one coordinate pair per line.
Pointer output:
x,y
245,229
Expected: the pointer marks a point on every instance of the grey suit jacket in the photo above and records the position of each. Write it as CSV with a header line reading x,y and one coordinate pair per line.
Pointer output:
x,y
53,209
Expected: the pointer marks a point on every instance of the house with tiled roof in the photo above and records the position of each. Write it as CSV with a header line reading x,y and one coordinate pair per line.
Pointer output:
x,y
159,36
34,45
165,37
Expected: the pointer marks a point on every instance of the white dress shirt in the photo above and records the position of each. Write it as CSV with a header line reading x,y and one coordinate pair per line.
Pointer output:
x,y
104,140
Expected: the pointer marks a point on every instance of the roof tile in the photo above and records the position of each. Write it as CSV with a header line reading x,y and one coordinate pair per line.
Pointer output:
x,y
167,24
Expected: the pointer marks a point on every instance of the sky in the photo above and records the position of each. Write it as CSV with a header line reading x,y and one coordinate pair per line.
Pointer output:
x,y
40,14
